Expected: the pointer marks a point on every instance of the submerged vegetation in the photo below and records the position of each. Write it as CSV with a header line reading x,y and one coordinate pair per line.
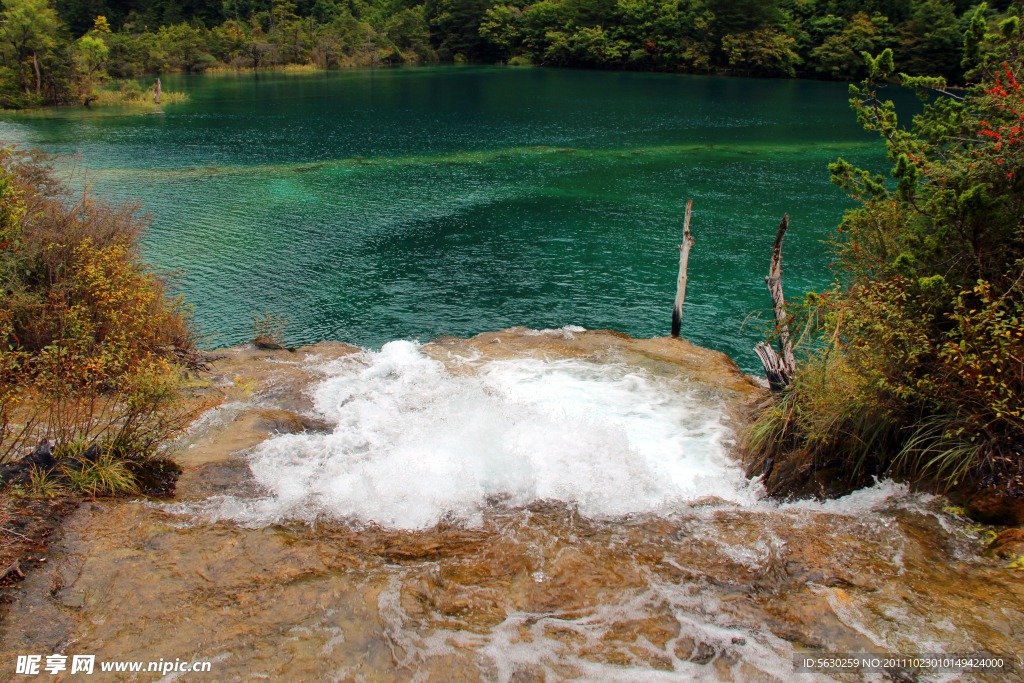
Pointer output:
x,y
916,367
58,53
91,347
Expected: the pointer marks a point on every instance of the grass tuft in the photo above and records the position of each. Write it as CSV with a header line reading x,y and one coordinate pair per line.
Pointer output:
x,y
942,449
105,477
41,485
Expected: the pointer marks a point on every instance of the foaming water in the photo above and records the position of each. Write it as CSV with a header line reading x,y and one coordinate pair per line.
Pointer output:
x,y
416,442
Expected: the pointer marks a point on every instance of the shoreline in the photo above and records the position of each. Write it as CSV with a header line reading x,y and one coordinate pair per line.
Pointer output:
x,y
307,69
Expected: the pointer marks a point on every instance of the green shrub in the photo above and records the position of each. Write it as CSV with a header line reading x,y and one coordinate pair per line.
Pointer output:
x,y
915,364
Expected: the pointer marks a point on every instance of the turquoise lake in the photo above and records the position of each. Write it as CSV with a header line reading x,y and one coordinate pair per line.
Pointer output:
x,y
406,203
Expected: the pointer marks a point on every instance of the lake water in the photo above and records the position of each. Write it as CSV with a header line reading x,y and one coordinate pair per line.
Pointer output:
x,y
407,203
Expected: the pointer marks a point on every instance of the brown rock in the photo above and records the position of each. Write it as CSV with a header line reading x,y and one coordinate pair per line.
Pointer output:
x,y
1008,545
831,482
285,422
789,477
266,343
993,506
797,476
446,340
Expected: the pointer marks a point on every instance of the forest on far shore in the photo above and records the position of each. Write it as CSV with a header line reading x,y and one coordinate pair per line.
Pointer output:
x,y
61,51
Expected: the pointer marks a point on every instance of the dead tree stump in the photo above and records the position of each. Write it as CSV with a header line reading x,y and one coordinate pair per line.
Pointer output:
x,y
684,258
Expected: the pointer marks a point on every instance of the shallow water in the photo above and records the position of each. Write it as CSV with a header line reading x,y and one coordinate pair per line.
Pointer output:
x,y
368,206
523,507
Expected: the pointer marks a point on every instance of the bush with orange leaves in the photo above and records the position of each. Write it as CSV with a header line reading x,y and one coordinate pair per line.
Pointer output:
x,y
92,348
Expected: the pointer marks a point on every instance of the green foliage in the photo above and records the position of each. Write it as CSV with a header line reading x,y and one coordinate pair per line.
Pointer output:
x,y
926,319
92,53
839,55
765,52
57,57
29,29
930,42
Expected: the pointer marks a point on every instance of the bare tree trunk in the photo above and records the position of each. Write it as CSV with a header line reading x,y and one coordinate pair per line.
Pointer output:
x,y
684,259
273,30
24,77
156,92
39,79
774,282
777,380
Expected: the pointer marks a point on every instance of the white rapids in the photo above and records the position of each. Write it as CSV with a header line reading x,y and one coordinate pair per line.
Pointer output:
x,y
415,442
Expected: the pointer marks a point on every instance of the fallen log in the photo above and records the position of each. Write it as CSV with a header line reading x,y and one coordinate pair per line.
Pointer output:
x,y
12,568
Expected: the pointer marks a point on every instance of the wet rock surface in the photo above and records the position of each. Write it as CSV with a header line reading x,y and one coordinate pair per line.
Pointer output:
x,y
1008,545
710,590
664,356
994,506
27,527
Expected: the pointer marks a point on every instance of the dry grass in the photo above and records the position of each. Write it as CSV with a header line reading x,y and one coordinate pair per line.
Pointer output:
x,y
825,418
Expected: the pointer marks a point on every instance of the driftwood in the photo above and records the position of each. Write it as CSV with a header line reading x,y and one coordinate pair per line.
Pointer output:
x,y
12,568
15,533
156,92
684,258
774,282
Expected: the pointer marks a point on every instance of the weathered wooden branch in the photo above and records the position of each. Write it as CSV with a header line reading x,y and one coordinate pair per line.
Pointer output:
x,y
39,78
777,379
15,533
684,258
779,370
774,282
156,92
12,568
